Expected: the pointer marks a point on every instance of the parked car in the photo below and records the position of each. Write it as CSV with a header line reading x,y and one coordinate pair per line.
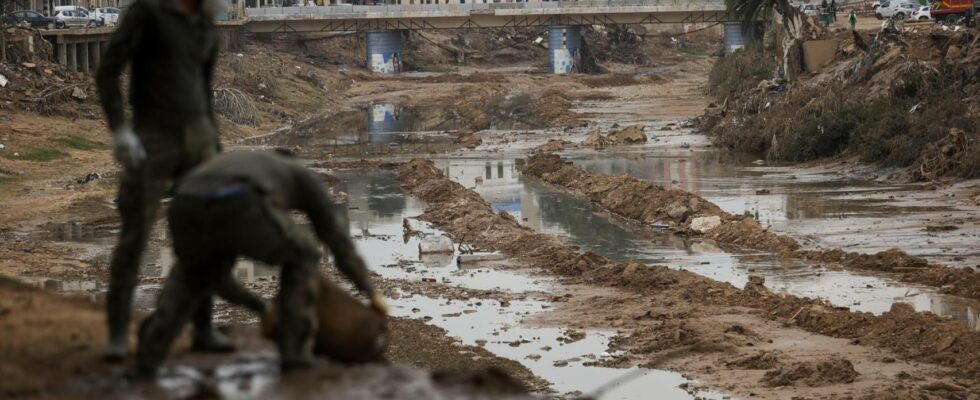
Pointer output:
x,y
810,9
74,19
35,19
108,15
924,13
84,12
895,9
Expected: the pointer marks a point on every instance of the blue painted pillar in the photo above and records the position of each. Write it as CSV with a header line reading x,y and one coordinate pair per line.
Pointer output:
x,y
734,37
384,51
564,44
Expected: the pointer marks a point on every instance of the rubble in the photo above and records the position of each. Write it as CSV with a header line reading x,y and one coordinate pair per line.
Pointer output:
x,y
860,103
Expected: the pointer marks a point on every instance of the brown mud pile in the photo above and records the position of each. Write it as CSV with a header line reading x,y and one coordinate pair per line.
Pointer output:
x,y
628,135
465,215
51,346
650,204
813,373
362,164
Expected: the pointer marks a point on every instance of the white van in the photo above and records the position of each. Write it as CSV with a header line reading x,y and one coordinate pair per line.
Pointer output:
x,y
108,15
896,9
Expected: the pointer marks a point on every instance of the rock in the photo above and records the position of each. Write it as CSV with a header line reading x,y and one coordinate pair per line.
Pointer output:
x,y
595,139
695,204
685,145
629,135
953,52
679,212
704,224
79,94
3,81
28,65
631,269
436,244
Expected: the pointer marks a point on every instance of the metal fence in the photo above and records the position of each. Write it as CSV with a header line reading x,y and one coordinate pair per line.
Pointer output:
x,y
467,8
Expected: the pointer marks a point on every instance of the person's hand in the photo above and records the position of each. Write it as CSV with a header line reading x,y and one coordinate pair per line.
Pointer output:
x,y
379,304
126,147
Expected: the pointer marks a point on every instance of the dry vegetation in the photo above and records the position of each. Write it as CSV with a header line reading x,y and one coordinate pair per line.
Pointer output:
x,y
889,98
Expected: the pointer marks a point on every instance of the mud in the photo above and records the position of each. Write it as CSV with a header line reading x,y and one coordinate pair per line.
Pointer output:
x,y
650,204
813,373
673,333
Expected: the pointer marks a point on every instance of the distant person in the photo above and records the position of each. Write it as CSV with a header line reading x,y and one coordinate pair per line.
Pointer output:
x,y
238,204
171,46
833,11
852,19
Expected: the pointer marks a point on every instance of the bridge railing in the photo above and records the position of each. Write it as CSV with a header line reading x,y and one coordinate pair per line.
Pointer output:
x,y
467,8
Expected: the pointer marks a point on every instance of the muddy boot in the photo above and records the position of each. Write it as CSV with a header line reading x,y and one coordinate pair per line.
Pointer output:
x,y
207,338
117,315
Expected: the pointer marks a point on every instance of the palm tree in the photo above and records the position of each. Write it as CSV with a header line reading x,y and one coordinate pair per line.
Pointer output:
x,y
749,12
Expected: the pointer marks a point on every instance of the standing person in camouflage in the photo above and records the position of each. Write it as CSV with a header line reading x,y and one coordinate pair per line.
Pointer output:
x,y
235,205
171,46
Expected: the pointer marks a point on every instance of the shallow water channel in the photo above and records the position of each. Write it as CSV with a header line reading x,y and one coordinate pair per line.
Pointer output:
x,y
375,211
551,211
376,208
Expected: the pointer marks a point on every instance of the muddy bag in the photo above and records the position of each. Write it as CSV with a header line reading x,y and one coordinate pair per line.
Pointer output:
x,y
347,331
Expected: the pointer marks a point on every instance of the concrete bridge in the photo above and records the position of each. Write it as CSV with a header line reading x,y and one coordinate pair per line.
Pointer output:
x,y
382,23
482,14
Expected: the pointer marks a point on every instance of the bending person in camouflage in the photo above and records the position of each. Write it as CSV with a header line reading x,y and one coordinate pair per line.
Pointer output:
x,y
238,205
171,46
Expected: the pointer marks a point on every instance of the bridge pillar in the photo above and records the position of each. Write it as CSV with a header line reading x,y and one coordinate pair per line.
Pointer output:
x,y
94,55
734,37
72,57
564,43
62,53
83,62
384,51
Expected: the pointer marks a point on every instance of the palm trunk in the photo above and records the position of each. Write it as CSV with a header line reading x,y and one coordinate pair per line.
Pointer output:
x,y
792,45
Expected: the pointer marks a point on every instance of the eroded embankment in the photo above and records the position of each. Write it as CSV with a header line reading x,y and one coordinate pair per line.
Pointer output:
x,y
911,335
648,203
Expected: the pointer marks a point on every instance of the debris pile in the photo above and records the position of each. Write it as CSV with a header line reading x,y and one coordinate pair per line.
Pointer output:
x,y
884,97
31,82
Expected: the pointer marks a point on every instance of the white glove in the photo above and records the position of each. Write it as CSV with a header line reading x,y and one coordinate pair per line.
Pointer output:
x,y
379,304
126,147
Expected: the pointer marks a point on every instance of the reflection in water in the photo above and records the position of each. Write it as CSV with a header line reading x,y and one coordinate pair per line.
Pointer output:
x,y
729,180
575,219
377,226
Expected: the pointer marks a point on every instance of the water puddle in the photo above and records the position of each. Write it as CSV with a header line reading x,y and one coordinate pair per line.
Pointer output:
x,y
574,219
811,205
376,210
389,128
557,355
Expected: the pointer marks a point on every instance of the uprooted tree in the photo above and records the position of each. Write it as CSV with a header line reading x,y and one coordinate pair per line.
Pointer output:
x,y
779,14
